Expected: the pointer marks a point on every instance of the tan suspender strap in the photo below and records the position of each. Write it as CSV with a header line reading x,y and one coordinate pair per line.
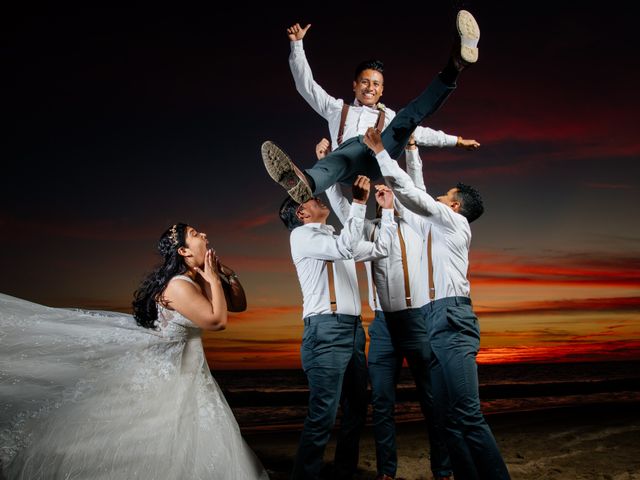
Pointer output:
x,y
432,288
405,270
373,283
343,120
380,122
332,286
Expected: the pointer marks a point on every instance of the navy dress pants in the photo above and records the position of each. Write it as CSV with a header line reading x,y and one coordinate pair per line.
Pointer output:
x,y
454,336
394,337
334,362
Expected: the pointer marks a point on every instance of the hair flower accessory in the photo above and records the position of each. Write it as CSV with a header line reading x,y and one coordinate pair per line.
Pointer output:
x,y
173,235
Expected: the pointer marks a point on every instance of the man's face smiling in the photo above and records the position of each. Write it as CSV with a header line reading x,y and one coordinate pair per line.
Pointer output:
x,y
368,87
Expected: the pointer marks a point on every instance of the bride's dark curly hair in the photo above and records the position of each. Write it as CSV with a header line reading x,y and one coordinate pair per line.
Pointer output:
x,y
145,310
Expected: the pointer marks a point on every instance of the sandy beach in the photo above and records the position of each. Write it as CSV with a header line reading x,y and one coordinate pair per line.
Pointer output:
x,y
589,442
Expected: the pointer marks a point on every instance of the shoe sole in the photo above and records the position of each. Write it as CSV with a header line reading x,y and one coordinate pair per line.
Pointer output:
x,y
283,171
469,32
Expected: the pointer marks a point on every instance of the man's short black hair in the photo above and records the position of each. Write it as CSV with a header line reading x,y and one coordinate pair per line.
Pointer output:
x,y
470,201
288,213
369,65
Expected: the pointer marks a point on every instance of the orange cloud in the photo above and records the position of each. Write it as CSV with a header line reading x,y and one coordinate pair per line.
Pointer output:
x,y
578,269
254,220
262,264
567,352
617,304
259,314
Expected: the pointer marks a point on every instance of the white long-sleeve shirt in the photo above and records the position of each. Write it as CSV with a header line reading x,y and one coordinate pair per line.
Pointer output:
x,y
359,117
313,244
388,273
450,231
414,168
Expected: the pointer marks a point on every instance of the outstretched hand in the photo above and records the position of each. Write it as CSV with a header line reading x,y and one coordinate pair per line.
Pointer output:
x,y
296,32
384,196
467,144
211,267
361,189
373,140
322,148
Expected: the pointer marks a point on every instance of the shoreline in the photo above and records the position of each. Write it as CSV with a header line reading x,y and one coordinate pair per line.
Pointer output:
x,y
259,398
595,441
492,415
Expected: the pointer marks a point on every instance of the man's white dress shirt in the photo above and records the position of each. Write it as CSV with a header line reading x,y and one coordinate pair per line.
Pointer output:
x,y
313,244
450,231
388,272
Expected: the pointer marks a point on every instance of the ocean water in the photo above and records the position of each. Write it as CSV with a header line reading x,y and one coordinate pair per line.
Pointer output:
x,y
277,399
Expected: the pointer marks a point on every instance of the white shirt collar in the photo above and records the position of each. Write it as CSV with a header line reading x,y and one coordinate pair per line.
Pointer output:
x,y
321,226
356,103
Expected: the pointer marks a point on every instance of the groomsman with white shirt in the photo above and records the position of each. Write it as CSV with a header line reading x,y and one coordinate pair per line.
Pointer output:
x,y
454,333
333,342
398,295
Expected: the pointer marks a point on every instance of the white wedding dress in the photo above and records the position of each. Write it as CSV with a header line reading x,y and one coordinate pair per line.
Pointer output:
x,y
91,395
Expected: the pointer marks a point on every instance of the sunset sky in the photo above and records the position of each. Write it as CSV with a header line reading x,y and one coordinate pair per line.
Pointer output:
x,y
123,122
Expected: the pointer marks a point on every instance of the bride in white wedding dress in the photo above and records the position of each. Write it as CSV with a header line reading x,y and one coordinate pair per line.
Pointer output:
x,y
95,395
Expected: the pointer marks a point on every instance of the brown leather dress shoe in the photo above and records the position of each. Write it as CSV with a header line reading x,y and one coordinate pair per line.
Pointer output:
x,y
282,170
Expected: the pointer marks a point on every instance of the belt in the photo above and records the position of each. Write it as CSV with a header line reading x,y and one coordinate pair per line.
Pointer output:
x,y
338,317
448,302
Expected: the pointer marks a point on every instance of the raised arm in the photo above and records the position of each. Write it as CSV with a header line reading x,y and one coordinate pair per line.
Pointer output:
x,y
313,93
314,243
414,170
409,195
206,309
339,204
437,138
414,164
366,250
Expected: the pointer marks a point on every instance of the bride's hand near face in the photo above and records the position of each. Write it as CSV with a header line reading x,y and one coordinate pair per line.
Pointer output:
x,y
211,268
204,305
